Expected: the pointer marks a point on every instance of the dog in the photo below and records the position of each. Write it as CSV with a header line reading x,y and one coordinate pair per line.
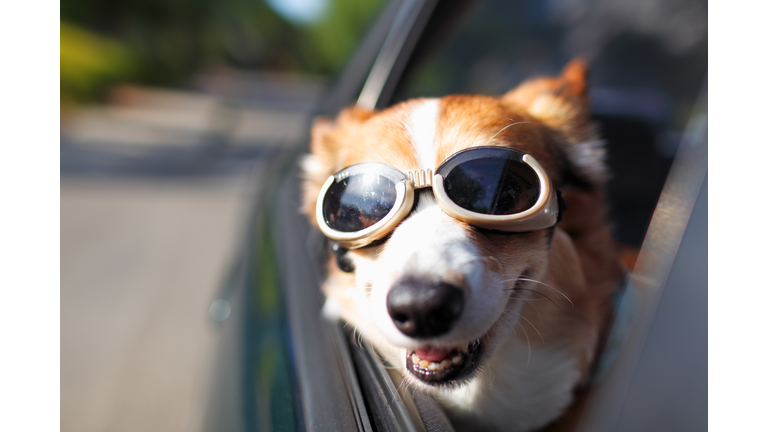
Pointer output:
x,y
501,326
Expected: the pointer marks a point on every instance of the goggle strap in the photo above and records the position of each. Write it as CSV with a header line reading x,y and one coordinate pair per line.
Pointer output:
x,y
561,206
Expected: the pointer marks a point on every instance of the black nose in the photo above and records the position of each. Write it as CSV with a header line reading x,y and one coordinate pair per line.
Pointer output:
x,y
424,309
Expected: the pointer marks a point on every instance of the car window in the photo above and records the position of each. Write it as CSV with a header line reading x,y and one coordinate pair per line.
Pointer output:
x,y
648,63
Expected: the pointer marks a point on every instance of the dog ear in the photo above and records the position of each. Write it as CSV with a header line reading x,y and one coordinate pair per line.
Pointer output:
x,y
562,103
329,146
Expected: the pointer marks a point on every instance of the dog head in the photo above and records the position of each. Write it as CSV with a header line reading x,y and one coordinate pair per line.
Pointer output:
x,y
439,296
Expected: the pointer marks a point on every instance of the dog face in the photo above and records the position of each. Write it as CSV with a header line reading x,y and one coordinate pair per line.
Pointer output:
x,y
478,317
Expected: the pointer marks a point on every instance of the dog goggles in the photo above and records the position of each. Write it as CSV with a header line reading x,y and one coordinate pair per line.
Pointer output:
x,y
495,188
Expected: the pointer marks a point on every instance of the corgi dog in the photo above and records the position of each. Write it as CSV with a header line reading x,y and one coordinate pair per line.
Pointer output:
x,y
453,252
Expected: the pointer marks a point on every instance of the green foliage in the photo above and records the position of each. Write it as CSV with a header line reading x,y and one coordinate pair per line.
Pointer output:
x,y
165,42
89,63
332,40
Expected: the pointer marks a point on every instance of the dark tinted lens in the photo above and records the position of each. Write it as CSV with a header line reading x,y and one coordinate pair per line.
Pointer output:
x,y
493,186
358,201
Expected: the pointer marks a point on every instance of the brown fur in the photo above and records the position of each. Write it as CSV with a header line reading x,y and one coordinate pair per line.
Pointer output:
x,y
541,117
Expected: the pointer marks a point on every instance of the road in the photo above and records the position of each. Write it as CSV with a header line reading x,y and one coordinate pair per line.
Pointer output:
x,y
156,187
141,259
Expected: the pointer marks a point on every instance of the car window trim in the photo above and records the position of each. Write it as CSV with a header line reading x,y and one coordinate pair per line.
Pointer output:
x,y
395,52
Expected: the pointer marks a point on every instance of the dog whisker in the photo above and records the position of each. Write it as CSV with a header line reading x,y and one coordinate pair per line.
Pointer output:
x,y
358,334
528,341
512,326
514,332
400,386
355,337
537,292
523,278
550,287
538,313
367,325
529,322
525,299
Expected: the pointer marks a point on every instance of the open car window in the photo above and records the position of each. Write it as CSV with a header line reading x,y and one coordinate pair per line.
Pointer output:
x,y
645,85
648,62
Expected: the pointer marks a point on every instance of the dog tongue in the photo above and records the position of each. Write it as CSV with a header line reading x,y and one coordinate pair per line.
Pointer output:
x,y
432,354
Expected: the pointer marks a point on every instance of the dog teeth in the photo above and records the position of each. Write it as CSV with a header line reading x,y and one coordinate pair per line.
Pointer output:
x,y
436,365
454,360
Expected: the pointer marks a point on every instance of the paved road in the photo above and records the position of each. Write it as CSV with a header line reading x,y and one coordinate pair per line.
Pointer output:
x,y
141,259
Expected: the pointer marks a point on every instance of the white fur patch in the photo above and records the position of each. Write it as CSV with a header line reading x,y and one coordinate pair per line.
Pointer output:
x,y
588,158
516,393
313,168
422,125
331,309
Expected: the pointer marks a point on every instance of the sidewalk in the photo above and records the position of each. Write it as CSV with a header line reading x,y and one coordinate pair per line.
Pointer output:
x,y
155,189
141,260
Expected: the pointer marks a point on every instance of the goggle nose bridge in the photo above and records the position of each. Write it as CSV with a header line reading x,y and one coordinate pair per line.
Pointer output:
x,y
420,178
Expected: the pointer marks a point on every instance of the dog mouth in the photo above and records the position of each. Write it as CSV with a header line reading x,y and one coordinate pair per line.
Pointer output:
x,y
437,366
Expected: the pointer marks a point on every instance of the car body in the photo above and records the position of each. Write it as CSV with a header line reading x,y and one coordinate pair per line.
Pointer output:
x,y
281,366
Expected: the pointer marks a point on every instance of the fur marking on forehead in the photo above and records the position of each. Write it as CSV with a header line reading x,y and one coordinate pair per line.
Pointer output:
x,y
422,126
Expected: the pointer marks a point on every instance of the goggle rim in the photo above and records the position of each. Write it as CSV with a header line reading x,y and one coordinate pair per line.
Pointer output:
x,y
400,209
543,214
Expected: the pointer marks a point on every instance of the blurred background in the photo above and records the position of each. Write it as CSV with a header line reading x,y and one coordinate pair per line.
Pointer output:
x,y
207,73
172,111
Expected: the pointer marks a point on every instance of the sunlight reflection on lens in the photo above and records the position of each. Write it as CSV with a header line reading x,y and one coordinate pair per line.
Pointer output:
x,y
369,178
